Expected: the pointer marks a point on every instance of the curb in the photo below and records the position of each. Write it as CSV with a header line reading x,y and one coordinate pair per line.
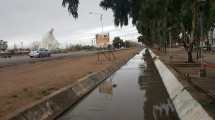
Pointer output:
x,y
186,106
58,102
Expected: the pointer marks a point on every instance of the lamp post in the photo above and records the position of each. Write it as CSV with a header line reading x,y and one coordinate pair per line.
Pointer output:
x,y
101,17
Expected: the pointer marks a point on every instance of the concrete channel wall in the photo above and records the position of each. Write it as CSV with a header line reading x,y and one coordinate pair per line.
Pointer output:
x,y
186,106
55,104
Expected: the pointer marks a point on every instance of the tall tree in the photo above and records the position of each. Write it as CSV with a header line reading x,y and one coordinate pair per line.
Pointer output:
x,y
118,42
72,6
158,20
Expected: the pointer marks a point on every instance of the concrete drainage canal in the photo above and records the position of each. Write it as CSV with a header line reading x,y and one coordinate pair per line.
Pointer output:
x,y
134,92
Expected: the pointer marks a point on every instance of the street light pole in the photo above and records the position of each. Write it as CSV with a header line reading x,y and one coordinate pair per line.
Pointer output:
x,y
101,18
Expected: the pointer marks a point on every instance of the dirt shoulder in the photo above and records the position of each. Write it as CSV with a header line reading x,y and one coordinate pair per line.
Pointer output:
x,y
21,85
201,88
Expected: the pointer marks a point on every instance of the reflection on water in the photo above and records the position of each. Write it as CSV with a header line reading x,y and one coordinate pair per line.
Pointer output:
x,y
158,105
106,87
163,110
139,95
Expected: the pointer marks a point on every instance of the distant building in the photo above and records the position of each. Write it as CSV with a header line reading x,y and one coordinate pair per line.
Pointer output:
x,y
102,40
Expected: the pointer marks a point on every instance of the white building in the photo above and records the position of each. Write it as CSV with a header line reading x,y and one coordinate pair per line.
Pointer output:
x,y
49,42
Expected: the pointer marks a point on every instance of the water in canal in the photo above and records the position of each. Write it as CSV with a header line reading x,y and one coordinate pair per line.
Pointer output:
x,y
135,92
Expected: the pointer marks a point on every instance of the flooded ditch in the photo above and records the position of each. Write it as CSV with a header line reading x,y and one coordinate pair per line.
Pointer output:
x,y
134,92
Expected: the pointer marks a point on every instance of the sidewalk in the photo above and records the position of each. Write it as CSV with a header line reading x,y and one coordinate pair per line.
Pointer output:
x,y
202,89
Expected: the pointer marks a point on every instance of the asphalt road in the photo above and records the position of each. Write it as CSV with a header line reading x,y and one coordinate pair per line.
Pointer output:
x,y
14,60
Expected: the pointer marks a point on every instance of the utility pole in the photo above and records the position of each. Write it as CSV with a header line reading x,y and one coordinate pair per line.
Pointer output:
x,y
93,42
21,44
101,18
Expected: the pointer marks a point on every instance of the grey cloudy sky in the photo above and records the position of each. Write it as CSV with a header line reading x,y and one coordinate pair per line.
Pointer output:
x,y
29,20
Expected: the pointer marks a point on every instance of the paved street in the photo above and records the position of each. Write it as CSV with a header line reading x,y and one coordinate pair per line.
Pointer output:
x,y
26,59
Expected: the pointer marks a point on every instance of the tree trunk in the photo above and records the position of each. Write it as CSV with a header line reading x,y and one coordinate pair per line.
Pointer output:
x,y
189,53
193,32
190,57
198,50
198,53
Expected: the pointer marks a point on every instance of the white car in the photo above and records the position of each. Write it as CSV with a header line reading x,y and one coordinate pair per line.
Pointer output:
x,y
38,53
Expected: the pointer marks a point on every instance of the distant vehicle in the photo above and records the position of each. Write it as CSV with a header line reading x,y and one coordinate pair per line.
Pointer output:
x,y
38,53
6,54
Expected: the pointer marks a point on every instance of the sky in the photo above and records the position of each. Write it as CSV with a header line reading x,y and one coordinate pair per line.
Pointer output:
x,y
26,21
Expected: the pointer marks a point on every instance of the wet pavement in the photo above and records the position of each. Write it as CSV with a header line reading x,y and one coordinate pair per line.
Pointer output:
x,y
135,92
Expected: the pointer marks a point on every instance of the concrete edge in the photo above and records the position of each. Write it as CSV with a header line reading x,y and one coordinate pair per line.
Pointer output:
x,y
186,106
58,102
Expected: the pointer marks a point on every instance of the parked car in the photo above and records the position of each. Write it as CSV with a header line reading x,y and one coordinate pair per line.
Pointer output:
x,y
38,53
